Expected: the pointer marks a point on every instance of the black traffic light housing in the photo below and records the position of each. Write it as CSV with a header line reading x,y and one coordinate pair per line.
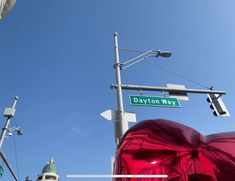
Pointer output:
x,y
217,105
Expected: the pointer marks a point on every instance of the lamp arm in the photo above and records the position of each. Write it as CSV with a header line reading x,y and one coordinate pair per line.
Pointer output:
x,y
131,64
139,56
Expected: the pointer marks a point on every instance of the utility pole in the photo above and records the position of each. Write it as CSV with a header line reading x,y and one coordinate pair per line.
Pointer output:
x,y
121,125
121,118
8,165
8,113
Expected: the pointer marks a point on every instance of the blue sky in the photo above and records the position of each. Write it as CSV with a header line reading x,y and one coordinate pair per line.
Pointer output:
x,y
57,56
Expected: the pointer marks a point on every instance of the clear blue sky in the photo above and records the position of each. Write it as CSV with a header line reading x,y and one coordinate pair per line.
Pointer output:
x,y
58,57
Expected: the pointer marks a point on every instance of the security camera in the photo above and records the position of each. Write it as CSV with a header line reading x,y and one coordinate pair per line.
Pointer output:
x,y
19,131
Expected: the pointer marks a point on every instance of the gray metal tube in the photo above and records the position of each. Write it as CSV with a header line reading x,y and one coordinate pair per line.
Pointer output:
x,y
155,88
8,165
120,124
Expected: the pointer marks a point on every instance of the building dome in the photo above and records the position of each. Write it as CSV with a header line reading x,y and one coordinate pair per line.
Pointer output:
x,y
49,167
49,172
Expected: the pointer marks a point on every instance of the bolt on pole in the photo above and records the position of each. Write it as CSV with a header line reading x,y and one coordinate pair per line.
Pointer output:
x,y
120,125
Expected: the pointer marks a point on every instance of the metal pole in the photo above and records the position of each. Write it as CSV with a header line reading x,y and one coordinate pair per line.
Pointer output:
x,y
120,124
155,88
8,165
5,128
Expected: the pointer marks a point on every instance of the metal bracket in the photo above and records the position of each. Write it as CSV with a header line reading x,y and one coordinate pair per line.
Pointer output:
x,y
117,65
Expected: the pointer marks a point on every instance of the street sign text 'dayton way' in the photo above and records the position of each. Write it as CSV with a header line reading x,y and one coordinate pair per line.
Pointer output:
x,y
154,101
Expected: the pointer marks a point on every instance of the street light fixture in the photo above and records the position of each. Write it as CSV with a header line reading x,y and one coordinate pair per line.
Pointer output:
x,y
143,56
164,53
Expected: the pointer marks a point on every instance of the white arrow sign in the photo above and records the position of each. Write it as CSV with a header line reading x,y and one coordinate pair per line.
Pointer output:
x,y
130,116
112,115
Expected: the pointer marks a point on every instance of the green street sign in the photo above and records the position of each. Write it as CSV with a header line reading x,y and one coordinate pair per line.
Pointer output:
x,y
1,170
154,101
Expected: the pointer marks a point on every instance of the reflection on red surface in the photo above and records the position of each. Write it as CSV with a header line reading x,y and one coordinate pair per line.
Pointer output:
x,y
154,162
167,147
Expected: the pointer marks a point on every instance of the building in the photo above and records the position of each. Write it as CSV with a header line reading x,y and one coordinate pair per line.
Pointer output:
x,y
49,172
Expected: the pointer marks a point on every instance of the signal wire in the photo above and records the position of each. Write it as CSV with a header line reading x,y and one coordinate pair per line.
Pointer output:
x,y
126,50
180,76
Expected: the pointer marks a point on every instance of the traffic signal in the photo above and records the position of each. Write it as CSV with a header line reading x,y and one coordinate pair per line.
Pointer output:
x,y
217,105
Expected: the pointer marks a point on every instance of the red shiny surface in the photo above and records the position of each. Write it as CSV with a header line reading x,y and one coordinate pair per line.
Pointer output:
x,y
171,148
